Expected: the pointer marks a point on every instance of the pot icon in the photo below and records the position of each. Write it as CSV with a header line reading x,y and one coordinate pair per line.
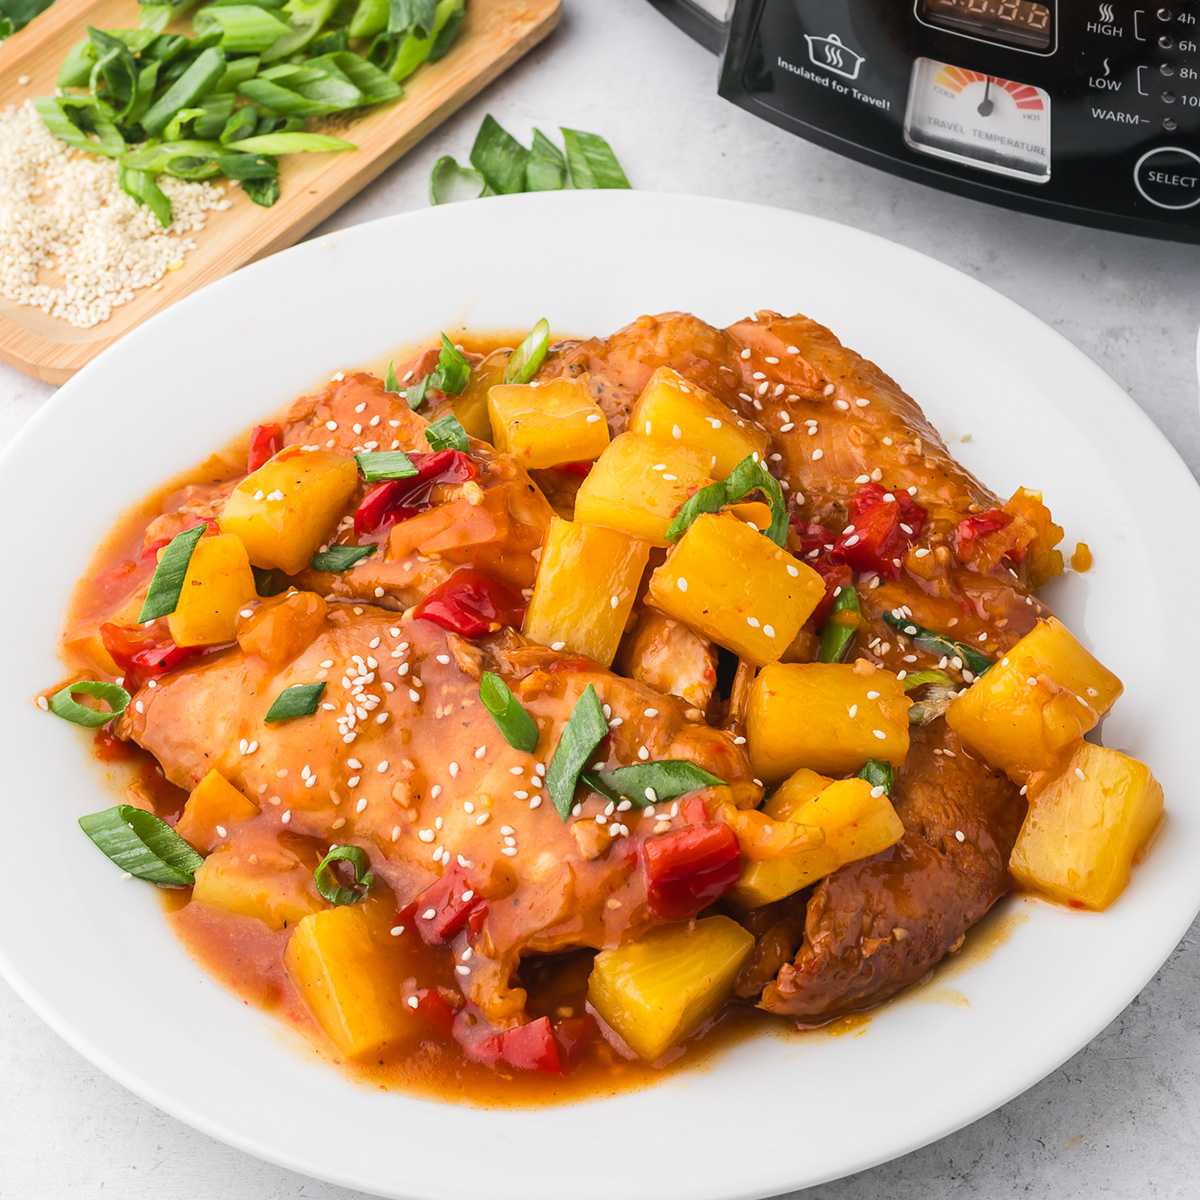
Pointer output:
x,y
831,54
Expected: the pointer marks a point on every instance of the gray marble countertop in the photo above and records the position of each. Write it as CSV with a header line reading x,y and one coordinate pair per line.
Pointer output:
x,y
1119,1119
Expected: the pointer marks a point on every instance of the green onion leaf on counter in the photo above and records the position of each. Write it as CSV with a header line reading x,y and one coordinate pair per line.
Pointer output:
x,y
326,880
447,434
63,703
299,700
592,162
499,157
340,558
450,183
878,774
583,732
546,170
650,782
836,636
748,476
377,465
143,845
528,357
167,581
936,643
516,725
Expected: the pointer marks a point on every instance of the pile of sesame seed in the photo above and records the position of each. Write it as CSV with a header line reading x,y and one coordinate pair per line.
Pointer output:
x,y
62,212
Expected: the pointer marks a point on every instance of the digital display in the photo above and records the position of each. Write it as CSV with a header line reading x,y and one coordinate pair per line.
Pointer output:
x,y
1024,23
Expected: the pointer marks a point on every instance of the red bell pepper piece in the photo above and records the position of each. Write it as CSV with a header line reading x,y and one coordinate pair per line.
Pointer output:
x,y
434,1007
471,603
143,654
265,442
582,469
972,530
689,869
882,523
551,1049
444,907
816,545
398,499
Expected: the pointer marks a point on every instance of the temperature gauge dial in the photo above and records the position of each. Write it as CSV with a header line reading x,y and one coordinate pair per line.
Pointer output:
x,y
990,123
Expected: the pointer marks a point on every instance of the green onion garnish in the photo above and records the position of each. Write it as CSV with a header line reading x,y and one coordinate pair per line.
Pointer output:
x,y
583,732
836,637
63,703
377,465
268,581
326,880
921,678
450,376
515,724
528,357
143,844
447,434
748,476
167,583
299,700
650,782
449,183
391,383
878,774
593,164
340,558
936,643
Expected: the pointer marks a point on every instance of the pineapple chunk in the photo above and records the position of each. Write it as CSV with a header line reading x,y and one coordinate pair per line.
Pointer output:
x,y
799,715
1085,826
285,510
1034,705
856,825
547,424
218,582
671,408
638,485
212,810
736,587
658,990
351,984
755,513
582,569
278,889
470,406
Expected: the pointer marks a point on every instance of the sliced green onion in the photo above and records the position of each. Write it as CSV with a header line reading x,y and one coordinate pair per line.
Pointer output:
x,y
291,143
499,157
390,382
237,72
836,637
593,164
447,434
378,465
583,732
192,86
748,476
878,774
444,36
169,574
241,123
936,643
143,845
414,394
77,66
16,14
245,28
921,678
269,582
370,18
340,558
453,370
155,17
142,188
63,703
528,357
174,131
373,83
335,42
417,47
651,782
517,727
53,113
450,183
263,192
326,880
546,170
299,700
305,19
412,16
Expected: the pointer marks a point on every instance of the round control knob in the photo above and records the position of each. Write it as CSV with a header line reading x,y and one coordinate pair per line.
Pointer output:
x,y
1169,177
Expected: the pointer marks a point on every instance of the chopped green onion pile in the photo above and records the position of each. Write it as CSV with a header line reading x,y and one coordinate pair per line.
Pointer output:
x,y
500,165
326,880
748,476
235,95
583,732
143,844
515,724
651,782
16,14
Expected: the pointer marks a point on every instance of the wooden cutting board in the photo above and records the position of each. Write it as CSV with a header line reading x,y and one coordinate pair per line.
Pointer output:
x,y
494,35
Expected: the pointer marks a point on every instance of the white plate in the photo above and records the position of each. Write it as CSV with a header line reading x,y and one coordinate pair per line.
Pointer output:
x,y
91,953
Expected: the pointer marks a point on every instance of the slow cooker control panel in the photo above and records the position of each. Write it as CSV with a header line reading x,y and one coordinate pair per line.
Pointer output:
x,y
1086,109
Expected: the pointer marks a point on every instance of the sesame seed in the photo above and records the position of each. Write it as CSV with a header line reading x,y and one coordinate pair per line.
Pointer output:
x,y
555,646
426,835
817,454
614,601
287,816
879,734
651,712
510,851
396,931
483,818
